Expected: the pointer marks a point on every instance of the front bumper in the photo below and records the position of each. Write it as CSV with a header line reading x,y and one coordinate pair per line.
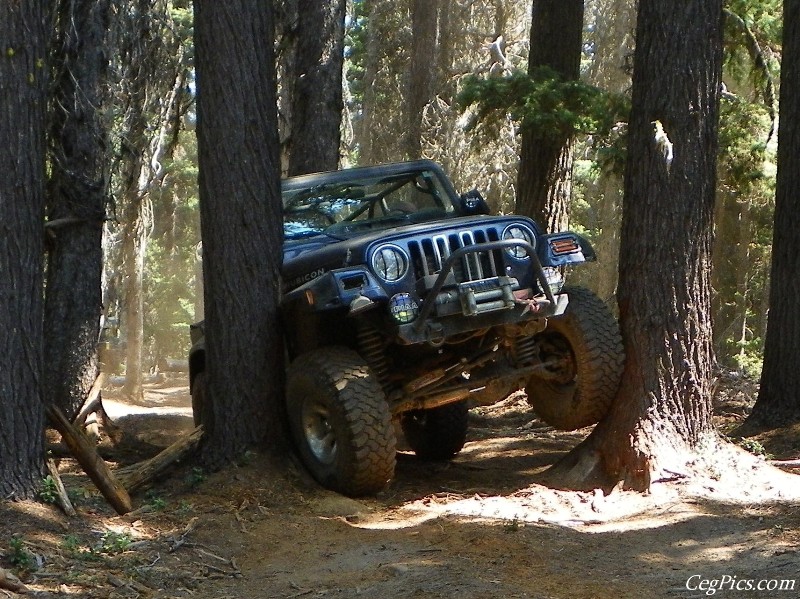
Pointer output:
x,y
437,330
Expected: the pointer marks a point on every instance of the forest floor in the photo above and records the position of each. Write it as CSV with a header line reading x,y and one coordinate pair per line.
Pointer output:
x,y
479,526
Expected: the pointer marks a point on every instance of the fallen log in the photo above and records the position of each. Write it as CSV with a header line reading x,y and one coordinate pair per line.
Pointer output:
x,y
90,461
136,476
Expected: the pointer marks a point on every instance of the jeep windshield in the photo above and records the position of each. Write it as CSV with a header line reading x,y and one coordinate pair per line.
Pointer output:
x,y
351,202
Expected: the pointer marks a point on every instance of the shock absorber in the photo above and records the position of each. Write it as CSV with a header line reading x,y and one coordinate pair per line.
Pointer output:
x,y
523,350
372,349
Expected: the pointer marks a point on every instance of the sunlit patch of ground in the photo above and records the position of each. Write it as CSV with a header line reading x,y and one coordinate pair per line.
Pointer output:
x,y
477,526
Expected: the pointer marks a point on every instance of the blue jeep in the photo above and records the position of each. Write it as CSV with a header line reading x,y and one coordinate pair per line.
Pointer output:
x,y
405,303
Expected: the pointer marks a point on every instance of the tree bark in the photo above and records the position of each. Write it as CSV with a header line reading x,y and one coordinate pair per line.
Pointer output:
x,y
778,400
134,245
77,193
661,418
137,62
317,102
241,221
423,69
369,152
23,81
545,168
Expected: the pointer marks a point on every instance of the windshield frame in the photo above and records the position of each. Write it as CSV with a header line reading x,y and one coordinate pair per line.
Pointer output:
x,y
349,202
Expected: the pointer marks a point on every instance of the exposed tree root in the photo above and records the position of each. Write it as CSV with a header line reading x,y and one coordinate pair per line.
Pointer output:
x,y
714,467
581,470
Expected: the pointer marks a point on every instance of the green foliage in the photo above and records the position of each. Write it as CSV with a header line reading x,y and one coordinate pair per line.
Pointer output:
x,y
19,556
752,38
196,477
512,525
157,502
755,447
746,188
80,550
543,102
748,357
71,543
49,491
171,269
356,32
764,18
112,543
743,150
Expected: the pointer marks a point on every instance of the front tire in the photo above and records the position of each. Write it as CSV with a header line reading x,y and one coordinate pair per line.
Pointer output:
x,y
340,421
438,433
587,340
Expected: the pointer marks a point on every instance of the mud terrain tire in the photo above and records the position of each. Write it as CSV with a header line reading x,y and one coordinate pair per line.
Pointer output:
x,y
439,433
340,421
588,337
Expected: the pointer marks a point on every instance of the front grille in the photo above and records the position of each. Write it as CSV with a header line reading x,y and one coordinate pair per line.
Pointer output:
x,y
429,255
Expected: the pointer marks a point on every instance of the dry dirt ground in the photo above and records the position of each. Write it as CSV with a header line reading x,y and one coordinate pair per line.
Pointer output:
x,y
477,527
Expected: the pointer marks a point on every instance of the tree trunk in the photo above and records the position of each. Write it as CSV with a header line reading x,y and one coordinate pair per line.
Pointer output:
x,y
545,169
730,243
662,415
606,272
369,113
778,400
134,245
241,220
150,60
23,81
317,102
612,23
286,23
423,68
77,201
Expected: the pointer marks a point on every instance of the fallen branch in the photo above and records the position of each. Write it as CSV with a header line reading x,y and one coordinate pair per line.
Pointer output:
x,y
63,498
93,401
138,475
90,461
178,541
94,405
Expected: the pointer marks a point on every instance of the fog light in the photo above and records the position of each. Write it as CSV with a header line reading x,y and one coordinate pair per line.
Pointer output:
x,y
403,307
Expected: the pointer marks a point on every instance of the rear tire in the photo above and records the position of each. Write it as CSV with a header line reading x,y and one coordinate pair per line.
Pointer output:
x,y
588,340
439,433
340,421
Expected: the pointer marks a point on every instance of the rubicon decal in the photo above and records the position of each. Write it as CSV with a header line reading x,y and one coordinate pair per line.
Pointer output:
x,y
309,276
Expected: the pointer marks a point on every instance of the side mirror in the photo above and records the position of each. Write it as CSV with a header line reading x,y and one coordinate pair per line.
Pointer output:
x,y
472,203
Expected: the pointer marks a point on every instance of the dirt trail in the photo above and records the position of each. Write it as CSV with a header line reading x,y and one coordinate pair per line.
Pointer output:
x,y
474,527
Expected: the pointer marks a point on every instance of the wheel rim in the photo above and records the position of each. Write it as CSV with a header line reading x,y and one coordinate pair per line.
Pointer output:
x,y
318,431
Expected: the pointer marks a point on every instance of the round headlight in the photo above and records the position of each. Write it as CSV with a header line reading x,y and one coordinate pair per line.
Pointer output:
x,y
390,263
521,232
